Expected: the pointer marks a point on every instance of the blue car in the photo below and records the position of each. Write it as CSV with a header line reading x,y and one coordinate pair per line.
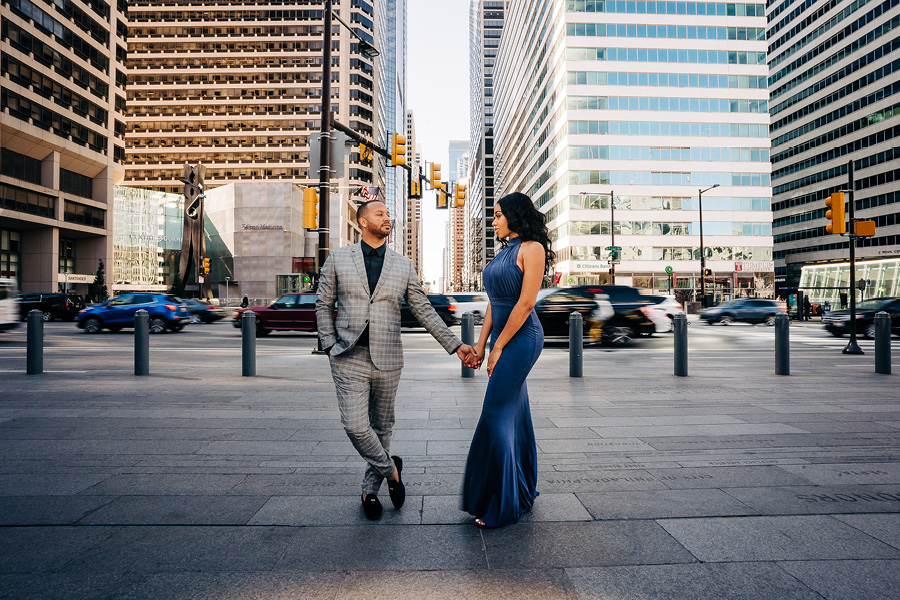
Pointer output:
x,y
167,312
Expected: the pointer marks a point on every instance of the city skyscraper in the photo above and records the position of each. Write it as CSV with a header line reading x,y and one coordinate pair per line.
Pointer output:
x,y
833,72
649,102
458,256
62,140
485,27
413,246
238,88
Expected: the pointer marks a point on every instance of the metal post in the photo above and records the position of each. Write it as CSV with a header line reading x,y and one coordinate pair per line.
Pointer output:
x,y
883,343
612,233
852,346
680,325
325,142
468,337
702,256
782,344
34,353
248,344
576,344
141,343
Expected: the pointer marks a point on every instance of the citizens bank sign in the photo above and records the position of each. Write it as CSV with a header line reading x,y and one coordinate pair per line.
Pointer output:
x,y
272,227
588,266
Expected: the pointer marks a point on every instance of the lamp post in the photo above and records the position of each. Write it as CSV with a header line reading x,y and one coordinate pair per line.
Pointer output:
x,y
227,279
702,252
612,238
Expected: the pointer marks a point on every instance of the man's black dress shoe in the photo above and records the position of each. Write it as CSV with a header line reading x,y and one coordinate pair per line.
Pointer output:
x,y
396,488
372,507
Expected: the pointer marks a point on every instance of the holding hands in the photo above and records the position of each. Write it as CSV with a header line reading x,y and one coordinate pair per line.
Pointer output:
x,y
474,357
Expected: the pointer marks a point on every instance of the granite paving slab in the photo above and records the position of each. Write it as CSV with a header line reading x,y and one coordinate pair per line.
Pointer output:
x,y
560,545
233,586
384,548
735,581
48,510
881,527
144,484
660,504
47,549
547,508
813,500
725,477
604,445
48,484
595,481
66,586
176,510
848,474
775,538
298,511
547,584
848,580
183,548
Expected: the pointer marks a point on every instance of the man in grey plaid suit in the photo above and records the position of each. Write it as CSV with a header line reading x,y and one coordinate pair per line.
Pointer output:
x,y
368,281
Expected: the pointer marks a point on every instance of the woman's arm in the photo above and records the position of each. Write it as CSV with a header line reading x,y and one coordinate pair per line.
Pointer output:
x,y
532,257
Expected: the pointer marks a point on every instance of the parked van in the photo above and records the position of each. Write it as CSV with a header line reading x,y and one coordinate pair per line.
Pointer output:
x,y
9,304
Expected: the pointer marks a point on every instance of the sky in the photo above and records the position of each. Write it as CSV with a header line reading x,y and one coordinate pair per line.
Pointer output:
x,y
437,83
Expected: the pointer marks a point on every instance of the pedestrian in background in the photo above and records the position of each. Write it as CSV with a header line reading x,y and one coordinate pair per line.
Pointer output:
x,y
807,309
245,301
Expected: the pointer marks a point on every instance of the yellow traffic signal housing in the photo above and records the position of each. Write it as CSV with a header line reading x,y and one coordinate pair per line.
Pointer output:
x,y
415,188
365,153
310,208
398,149
206,266
460,194
835,213
435,179
441,198
864,228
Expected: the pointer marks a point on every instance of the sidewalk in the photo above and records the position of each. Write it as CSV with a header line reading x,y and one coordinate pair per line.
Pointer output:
x,y
198,483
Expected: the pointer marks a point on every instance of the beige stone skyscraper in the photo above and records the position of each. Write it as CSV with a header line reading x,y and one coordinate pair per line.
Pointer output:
x,y
62,140
237,87
413,246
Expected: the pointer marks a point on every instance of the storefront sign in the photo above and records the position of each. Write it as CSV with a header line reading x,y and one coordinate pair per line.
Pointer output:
x,y
587,266
755,266
74,278
266,226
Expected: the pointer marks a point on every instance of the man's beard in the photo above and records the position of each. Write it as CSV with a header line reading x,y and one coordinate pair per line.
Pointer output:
x,y
380,233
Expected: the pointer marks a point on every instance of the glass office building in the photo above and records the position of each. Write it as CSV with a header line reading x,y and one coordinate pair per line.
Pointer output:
x,y
613,116
833,72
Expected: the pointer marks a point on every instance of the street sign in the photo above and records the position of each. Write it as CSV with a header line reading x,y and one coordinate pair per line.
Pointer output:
x,y
669,270
614,261
613,248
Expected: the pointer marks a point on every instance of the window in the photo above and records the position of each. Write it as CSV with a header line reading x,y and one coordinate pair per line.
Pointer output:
x,y
66,256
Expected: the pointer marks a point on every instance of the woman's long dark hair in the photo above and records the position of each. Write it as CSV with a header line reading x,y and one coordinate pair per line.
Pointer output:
x,y
526,220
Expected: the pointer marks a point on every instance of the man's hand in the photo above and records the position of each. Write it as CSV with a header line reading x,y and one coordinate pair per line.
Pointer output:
x,y
467,354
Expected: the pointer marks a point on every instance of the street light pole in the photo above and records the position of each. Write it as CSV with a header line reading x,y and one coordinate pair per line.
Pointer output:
x,y
325,142
702,252
226,287
612,233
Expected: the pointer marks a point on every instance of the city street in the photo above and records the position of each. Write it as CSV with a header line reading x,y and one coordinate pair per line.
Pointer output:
x,y
195,482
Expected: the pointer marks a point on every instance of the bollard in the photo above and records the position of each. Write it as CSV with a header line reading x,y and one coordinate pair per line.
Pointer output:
x,y
882,343
782,344
576,344
34,352
680,327
248,345
141,343
468,337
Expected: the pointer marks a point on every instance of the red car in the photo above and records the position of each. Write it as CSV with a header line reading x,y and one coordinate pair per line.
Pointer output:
x,y
290,312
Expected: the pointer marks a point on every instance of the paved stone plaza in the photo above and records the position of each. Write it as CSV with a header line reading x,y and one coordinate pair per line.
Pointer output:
x,y
198,483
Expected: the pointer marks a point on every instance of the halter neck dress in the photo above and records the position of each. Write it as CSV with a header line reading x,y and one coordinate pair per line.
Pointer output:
x,y
501,469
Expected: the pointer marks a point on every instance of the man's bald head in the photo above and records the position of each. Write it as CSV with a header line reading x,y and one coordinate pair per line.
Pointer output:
x,y
365,207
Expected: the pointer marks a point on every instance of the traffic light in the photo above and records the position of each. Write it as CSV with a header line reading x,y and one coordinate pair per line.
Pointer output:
x,y
835,213
613,255
415,188
435,179
398,149
460,194
310,208
206,266
365,153
441,198
707,272
864,228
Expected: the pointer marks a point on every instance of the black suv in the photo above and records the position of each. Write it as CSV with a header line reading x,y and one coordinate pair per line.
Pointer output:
x,y
53,306
627,303
838,322
442,306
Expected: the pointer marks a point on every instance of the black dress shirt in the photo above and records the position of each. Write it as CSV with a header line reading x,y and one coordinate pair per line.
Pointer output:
x,y
374,261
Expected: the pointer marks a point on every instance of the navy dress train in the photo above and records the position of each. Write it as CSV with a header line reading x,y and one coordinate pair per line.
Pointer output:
x,y
501,470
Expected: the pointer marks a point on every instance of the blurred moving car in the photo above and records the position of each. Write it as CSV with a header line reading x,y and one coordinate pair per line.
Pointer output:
x,y
55,305
554,306
749,310
473,302
443,305
289,312
838,322
629,317
662,312
203,312
9,309
167,313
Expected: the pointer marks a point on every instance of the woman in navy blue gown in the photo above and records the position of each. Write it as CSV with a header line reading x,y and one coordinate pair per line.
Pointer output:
x,y
501,471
